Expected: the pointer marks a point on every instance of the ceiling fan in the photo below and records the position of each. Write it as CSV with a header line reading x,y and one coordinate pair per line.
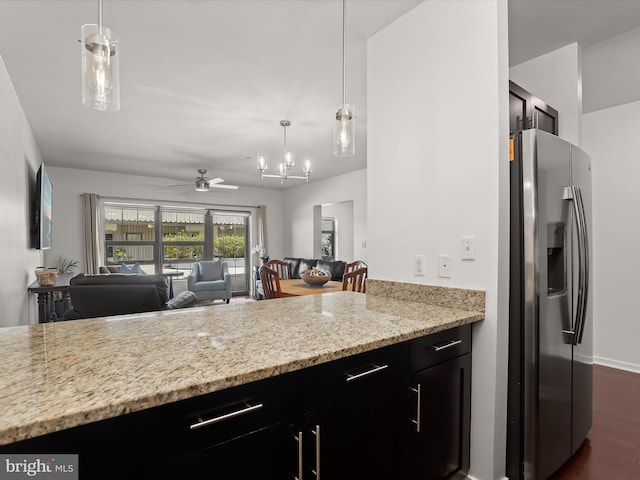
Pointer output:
x,y
202,183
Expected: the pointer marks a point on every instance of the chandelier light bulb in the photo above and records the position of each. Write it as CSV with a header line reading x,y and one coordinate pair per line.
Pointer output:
x,y
262,161
289,157
100,77
307,169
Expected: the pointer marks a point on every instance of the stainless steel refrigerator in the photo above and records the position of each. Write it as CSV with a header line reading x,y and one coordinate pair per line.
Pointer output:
x,y
550,312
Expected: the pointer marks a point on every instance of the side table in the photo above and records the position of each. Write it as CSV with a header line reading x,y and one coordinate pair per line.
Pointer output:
x,y
46,310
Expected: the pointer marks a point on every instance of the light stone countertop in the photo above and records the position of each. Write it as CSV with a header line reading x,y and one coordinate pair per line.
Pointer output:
x,y
64,374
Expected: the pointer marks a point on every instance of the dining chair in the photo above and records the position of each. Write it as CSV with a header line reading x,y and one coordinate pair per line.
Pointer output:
x,y
283,269
356,280
350,267
270,283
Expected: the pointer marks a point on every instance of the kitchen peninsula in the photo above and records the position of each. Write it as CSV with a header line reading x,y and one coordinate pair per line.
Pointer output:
x,y
274,358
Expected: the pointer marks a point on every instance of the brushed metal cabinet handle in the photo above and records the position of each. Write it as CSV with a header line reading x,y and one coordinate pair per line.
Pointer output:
x,y
452,343
316,432
376,368
298,438
417,421
211,421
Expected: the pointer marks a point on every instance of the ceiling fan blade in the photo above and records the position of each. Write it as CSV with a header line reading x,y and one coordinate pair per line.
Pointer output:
x,y
181,185
219,185
212,181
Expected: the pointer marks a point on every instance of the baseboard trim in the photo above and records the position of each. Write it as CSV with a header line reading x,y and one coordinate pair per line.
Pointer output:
x,y
607,362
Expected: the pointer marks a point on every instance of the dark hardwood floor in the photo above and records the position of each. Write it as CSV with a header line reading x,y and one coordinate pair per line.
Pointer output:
x,y
612,448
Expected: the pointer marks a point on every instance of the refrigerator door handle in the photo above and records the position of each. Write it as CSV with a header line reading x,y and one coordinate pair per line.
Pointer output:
x,y
573,193
585,266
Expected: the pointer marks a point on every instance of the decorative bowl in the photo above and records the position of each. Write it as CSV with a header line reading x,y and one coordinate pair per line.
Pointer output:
x,y
316,280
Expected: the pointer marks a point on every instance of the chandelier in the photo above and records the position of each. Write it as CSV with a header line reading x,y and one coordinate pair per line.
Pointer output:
x,y
287,162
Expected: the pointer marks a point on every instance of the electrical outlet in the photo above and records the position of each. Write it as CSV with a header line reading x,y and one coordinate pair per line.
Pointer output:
x,y
444,266
468,248
418,265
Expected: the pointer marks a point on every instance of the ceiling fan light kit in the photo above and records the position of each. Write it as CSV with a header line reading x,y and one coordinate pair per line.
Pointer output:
x,y
204,184
344,131
100,61
287,162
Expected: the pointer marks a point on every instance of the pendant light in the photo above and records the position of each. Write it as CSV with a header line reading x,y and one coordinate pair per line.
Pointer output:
x,y
100,78
344,131
287,161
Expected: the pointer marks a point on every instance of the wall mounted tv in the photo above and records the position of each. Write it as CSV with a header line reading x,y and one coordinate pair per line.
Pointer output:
x,y
43,204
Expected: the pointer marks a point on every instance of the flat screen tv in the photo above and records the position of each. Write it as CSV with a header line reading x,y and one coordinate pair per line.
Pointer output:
x,y
44,196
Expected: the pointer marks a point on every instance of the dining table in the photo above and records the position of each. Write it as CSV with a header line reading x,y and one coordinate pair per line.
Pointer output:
x,y
296,287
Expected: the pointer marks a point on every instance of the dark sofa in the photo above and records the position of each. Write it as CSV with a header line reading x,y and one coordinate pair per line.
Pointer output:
x,y
299,265
118,294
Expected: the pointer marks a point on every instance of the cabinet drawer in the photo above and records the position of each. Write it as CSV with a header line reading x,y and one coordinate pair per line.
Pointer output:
x,y
356,375
202,422
432,349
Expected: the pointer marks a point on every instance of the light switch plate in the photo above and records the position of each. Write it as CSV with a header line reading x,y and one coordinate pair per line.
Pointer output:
x,y
468,248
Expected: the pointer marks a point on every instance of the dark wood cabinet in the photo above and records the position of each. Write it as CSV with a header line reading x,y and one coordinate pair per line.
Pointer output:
x,y
435,443
345,419
527,111
351,432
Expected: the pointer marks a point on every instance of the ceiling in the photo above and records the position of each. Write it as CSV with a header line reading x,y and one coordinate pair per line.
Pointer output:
x,y
204,84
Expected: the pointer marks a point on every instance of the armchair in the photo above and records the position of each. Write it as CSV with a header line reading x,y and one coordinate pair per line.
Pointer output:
x,y
210,280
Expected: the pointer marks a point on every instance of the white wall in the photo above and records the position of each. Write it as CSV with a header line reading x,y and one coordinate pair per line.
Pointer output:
x,y
432,180
611,138
19,161
609,77
298,205
556,79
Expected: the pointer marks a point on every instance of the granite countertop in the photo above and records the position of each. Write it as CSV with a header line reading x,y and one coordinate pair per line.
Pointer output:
x,y
60,375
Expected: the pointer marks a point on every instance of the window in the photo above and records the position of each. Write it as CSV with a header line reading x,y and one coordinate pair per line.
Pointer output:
x,y
163,239
130,235
230,241
183,236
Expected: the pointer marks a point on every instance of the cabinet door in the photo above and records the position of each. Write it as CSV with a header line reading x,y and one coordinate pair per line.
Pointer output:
x,y
351,440
527,111
436,443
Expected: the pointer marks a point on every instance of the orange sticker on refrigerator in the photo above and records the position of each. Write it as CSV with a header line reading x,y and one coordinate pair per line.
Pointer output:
x,y
511,157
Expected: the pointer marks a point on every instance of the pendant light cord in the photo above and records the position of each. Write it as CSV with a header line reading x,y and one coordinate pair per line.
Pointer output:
x,y
100,16
344,62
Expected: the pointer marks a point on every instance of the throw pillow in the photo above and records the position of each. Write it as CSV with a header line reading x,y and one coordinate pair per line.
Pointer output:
x,y
209,271
131,269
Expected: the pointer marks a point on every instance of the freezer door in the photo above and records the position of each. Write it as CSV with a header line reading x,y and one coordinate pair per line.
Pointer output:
x,y
583,350
547,286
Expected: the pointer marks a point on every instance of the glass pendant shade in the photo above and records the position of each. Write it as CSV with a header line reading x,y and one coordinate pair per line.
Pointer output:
x,y
262,161
288,157
100,73
344,132
307,169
